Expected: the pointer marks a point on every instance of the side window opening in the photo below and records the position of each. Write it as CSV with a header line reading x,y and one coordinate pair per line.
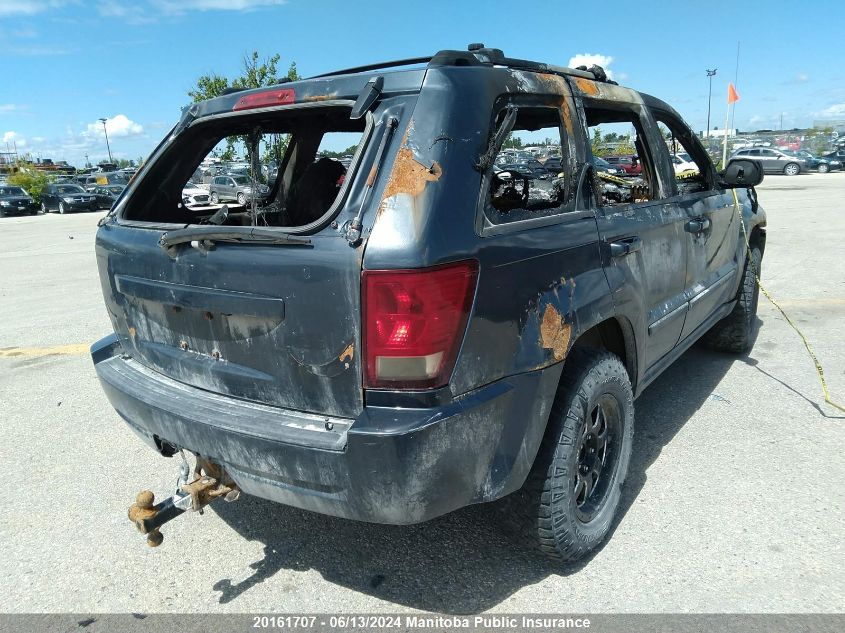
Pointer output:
x,y
532,174
623,167
281,169
689,161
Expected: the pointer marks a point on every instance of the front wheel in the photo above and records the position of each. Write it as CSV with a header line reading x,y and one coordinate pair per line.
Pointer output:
x,y
214,197
62,208
735,333
44,209
823,169
568,503
241,198
792,169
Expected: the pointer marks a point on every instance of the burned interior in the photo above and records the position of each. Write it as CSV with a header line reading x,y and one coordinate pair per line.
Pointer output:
x,y
286,179
518,190
613,190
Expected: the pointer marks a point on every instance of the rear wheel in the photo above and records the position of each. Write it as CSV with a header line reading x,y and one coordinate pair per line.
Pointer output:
x,y
823,168
792,169
568,502
735,333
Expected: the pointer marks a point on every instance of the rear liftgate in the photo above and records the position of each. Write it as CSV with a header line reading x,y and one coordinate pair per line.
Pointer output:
x,y
207,483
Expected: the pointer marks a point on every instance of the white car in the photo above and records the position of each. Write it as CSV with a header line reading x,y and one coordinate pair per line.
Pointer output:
x,y
193,195
683,164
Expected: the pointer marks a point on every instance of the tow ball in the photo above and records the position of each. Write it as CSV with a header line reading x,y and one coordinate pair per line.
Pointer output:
x,y
210,482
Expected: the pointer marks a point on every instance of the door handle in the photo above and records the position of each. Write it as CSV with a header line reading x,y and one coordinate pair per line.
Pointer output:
x,y
699,225
624,247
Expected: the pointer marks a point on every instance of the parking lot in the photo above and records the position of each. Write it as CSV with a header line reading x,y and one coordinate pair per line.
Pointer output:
x,y
734,499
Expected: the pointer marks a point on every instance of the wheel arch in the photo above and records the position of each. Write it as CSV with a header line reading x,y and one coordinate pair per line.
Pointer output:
x,y
616,335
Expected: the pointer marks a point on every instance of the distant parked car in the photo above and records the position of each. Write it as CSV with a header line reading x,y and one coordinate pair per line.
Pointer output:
x,y
106,195
16,201
838,154
553,166
774,161
237,188
534,167
682,163
194,195
603,166
67,197
627,163
821,165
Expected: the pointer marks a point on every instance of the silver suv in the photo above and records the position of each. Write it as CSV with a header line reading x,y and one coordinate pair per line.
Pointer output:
x,y
237,188
774,161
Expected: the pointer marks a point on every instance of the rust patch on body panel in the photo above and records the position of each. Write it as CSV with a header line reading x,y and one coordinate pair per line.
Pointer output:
x,y
566,112
554,333
586,86
321,97
409,175
347,354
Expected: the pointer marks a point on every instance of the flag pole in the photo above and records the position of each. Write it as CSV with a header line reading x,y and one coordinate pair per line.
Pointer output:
x,y
725,142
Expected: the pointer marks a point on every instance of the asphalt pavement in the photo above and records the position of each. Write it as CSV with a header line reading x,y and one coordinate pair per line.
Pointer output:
x,y
733,502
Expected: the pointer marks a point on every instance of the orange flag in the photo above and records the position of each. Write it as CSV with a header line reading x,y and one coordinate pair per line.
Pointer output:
x,y
733,97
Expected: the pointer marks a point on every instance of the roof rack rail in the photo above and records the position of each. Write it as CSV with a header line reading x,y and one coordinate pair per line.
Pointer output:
x,y
478,55
362,69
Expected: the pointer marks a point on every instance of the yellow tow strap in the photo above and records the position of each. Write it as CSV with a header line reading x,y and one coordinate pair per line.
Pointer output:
x,y
767,294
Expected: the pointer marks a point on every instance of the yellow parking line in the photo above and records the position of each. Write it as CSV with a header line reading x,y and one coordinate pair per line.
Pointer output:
x,y
813,302
76,349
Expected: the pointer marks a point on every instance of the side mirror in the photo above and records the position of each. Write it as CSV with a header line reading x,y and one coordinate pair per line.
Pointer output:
x,y
742,172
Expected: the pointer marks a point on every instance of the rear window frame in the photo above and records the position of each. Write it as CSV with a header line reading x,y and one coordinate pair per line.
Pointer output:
x,y
313,227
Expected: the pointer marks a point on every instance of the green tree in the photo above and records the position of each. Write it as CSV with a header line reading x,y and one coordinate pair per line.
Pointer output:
x,y
255,73
32,180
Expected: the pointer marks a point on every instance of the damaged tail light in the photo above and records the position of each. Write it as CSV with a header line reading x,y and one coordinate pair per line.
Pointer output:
x,y
414,321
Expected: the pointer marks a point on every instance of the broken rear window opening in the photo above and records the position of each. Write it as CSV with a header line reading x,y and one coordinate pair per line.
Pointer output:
x,y
290,167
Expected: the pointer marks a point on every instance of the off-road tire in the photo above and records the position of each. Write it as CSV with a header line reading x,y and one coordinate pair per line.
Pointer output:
x,y
823,169
545,510
792,169
735,333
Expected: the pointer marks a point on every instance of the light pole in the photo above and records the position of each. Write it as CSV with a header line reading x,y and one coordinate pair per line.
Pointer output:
x,y
710,74
103,121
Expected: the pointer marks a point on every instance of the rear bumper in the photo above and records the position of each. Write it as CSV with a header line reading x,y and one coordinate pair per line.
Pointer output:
x,y
388,465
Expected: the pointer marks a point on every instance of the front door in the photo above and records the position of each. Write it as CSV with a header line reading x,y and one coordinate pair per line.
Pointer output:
x,y
710,225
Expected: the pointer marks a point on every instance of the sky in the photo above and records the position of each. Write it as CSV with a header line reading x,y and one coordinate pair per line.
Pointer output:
x,y
65,64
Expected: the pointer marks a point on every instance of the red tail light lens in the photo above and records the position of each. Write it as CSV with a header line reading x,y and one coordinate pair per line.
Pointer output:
x,y
414,321
265,99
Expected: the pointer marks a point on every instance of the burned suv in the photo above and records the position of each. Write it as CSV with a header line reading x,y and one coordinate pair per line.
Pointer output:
x,y
418,331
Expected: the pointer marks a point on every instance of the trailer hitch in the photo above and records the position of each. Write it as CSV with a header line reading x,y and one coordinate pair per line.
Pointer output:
x,y
210,482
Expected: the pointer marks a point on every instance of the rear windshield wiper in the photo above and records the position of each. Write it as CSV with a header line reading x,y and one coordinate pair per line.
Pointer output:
x,y
206,236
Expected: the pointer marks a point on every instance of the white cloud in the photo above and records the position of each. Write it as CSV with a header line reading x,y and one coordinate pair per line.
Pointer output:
x,y
836,110
588,59
183,6
13,138
8,108
802,78
29,7
117,127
